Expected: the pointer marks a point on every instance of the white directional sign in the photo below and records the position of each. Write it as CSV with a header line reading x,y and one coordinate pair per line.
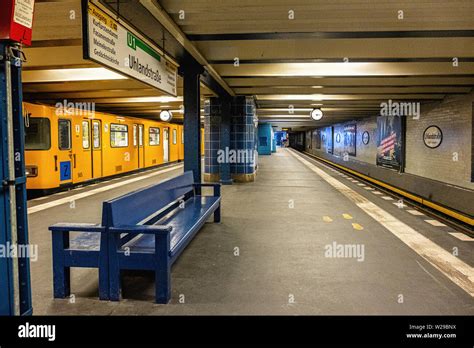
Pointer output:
x,y
112,44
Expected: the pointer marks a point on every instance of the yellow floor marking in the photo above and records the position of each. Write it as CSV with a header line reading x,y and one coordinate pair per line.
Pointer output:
x,y
357,227
327,219
346,216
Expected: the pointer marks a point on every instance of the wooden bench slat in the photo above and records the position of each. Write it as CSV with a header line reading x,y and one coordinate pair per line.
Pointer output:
x,y
136,206
181,220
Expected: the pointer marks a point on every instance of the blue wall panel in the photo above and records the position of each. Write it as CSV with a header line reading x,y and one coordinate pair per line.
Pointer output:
x,y
265,139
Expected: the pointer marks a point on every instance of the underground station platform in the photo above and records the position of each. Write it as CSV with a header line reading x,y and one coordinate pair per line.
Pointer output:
x,y
169,166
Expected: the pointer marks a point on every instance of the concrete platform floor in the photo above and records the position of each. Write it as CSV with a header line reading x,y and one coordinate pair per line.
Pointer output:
x,y
268,254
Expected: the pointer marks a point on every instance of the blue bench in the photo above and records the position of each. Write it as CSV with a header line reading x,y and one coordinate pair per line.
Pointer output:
x,y
143,230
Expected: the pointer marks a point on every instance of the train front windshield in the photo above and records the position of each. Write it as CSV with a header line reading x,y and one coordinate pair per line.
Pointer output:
x,y
37,134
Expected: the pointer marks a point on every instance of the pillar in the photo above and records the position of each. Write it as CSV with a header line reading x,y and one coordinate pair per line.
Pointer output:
x,y
15,286
231,140
192,119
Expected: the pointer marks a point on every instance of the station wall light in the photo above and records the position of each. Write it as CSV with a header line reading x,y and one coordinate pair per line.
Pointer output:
x,y
316,114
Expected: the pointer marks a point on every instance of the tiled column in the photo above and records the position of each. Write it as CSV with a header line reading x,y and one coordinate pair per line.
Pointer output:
x,y
241,152
212,121
243,139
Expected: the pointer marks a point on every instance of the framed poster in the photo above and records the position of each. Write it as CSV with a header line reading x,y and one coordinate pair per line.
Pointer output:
x,y
350,131
390,142
317,139
329,139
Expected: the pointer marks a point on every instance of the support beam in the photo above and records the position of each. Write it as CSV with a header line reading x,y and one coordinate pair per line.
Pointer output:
x,y
192,120
15,290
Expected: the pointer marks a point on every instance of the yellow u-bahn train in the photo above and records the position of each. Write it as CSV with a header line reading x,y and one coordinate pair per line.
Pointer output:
x,y
74,146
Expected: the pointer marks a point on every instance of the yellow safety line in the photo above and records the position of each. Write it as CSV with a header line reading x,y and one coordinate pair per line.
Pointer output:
x,y
456,215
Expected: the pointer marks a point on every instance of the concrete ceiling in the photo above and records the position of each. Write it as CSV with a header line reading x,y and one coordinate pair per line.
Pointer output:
x,y
345,57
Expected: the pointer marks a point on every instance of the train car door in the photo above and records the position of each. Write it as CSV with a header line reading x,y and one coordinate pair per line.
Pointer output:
x,y
63,161
166,145
82,152
141,147
97,149
135,144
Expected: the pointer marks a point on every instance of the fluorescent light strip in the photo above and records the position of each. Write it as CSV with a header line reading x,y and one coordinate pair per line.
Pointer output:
x,y
69,75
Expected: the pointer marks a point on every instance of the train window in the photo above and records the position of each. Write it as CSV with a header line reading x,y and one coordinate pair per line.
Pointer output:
x,y
140,135
174,136
182,136
96,134
86,138
154,135
38,134
118,135
64,134
134,135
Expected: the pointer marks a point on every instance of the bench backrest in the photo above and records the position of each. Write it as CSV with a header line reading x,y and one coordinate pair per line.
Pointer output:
x,y
136,206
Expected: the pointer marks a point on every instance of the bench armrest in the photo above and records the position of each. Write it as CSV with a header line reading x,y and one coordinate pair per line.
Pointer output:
x,y
76,227
141,229
217,187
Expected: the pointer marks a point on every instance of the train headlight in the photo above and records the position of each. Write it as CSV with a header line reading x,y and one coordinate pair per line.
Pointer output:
x,y
31,171
166,115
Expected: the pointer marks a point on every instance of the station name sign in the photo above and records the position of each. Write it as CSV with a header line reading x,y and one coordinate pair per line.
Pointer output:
x,y
116,46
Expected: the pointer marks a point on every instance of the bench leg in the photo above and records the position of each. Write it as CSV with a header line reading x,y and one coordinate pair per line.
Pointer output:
x,y
61,274
62,281
217,214
115,284
163,268
104,268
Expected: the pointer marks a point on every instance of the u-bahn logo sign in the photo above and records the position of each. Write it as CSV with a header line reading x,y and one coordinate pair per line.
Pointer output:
x,y
117,46
432,137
